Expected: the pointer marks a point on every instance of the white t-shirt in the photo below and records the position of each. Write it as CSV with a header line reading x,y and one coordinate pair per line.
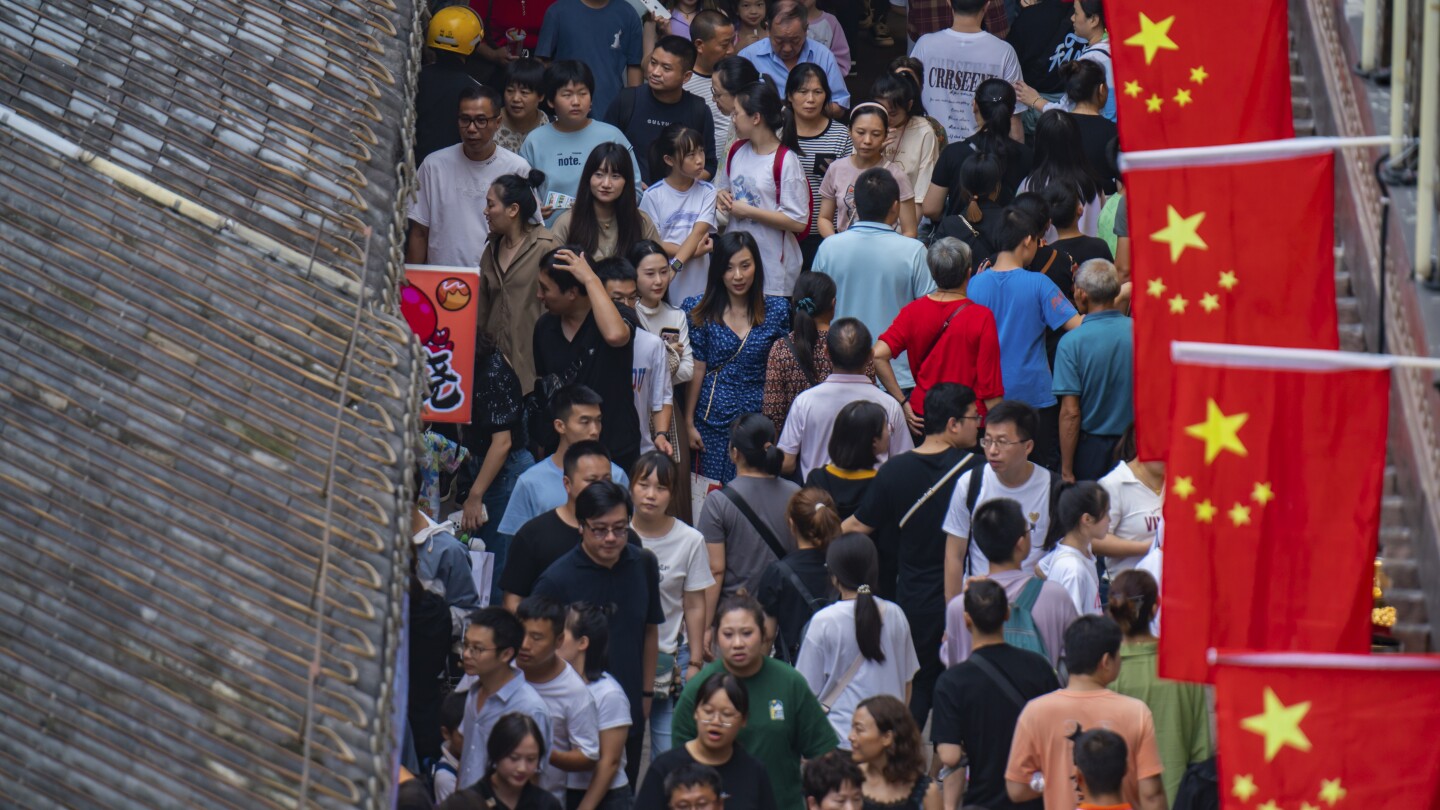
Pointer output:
x,y
812,420
613,709
751,178
1089,221
673,326
1154,562
684,568
1033,497
651,380
1135,513
699,84
675,213
956,64
574,723
1075,571
450,201
830,648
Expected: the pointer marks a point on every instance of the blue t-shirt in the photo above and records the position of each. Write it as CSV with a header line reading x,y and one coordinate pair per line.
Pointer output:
x,y
607,39
540,489
1095,361
562,155
1024,304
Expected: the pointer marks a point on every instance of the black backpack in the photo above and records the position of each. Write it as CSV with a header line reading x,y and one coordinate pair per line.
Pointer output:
x,y
1199,787
788,649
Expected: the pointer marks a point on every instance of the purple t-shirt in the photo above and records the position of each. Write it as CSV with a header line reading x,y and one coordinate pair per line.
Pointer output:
x,y
1052,613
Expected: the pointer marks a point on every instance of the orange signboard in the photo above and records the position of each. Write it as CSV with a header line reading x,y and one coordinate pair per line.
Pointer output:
x,y
439,304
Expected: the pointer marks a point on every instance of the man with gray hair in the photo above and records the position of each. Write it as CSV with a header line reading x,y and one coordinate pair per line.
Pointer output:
x,y
1094,375
788,45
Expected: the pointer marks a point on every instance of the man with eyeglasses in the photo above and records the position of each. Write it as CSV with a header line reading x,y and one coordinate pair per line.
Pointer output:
x,y
607,570
447,216
491,643
1008,473
694,787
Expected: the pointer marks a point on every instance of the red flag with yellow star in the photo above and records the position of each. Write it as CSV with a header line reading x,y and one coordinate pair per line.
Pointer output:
x,y
1199,74
1272,503
1227,253
1328,732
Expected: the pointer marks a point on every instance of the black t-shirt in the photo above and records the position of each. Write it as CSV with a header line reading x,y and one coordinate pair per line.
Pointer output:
x,y
992,217
604,368
1044,40
782,602
918,549
743,780
539,543
1016,158
1083,248
1059,265
648,116
847,492
1096,133
479,795
437,106
496,404
972,711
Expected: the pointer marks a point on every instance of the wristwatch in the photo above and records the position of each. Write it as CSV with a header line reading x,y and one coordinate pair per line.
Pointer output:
x,y
676,264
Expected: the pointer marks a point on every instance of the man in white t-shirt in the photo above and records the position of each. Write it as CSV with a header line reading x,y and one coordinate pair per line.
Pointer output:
x,y
447,216
1008,473
956,61
574,720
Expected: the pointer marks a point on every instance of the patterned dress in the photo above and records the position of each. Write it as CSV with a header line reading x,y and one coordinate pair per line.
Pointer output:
x,y
734,379
785,379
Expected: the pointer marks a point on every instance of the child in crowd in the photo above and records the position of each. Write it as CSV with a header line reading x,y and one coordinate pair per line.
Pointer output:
x,y
585,645
682,206
750,18
824,28
452,716
1101,758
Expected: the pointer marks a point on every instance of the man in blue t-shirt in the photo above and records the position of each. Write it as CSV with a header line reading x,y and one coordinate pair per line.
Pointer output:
x,y
1094,376
1025,304
604,34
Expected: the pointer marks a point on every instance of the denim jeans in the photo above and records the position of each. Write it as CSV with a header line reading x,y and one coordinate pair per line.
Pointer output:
x,y
662,712
496,498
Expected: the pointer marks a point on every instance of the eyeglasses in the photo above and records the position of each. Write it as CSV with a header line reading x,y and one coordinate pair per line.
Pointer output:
x,y
998,444
475,649
628,300
481,121
703,804
976,417
718,719
610,531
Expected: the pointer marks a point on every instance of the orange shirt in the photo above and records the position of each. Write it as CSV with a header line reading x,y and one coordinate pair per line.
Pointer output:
x,y
1041,741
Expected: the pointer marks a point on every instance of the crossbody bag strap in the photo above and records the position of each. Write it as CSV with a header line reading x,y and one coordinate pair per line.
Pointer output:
x,y
935,488
798,584
999,679
759,525
838,686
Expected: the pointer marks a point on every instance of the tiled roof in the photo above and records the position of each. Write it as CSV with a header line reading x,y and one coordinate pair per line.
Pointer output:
x,y
207,401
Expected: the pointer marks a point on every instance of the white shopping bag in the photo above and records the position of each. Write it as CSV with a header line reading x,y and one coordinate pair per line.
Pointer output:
x,y
482,569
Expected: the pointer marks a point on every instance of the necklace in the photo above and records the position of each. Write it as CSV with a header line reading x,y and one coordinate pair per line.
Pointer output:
x,y
1145,477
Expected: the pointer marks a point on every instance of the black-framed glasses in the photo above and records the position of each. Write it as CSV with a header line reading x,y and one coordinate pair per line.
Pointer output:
x,y
481,121
608,531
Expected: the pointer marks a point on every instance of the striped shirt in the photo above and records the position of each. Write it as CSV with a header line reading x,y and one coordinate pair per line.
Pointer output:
x,y
829,146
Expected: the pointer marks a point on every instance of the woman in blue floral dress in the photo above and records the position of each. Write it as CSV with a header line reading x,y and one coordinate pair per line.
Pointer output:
x,y
732,327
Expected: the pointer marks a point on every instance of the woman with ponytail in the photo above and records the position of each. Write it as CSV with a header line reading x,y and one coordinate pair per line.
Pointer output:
x,y
912,140
1182,725
1083,514
510,267
793,589
994,104
800,360
859,646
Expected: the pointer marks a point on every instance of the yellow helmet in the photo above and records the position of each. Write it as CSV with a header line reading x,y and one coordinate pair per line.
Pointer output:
x,y
455,28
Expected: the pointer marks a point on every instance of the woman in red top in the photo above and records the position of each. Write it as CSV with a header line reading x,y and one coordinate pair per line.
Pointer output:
x,y
948,337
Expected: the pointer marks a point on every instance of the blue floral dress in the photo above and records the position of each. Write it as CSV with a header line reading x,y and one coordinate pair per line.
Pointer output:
x,y
734,379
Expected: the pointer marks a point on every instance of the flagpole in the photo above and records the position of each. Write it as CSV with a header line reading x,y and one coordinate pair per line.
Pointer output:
x,y
1288,147
1187,351
1302,660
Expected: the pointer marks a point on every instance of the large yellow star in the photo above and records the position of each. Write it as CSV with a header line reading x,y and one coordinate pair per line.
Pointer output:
x,y
1209,302
1183,487
1219,432
1153,36
1198,74
1180,232
1239,514
1154,103
1182,97
1262,493
1308,806
1331,792
1205,511
1244,787
1280,726
1132,89
1228,280
1178,304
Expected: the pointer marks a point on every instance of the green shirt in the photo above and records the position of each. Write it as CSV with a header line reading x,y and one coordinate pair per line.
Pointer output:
x,y
785,724
1182,720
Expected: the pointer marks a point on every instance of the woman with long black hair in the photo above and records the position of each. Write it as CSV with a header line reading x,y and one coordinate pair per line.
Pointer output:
x,y
994,105
800,360
606,218
1060,158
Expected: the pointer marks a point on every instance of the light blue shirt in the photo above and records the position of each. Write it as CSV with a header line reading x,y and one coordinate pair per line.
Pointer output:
x,y
562,155
877,272
515,696
540,489
763,57
1024,304
1095,362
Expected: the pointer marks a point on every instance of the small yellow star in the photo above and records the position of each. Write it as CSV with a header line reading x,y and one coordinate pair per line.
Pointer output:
x,y
1180,233
1155,287
1331,792
1198,74
1153,36
1182,97
1270,805
1183,487
1262,493
1205,511
1219,431
1228,280
1132,89
1209,302
1178,304
1239,514
1280,726
1244,787
1153,103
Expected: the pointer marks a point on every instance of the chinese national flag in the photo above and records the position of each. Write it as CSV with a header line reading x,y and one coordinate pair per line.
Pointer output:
x,y
1199,74
1328,732
1218,256
1272,504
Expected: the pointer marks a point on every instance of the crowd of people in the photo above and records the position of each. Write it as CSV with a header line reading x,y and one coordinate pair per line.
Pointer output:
x,y
801,417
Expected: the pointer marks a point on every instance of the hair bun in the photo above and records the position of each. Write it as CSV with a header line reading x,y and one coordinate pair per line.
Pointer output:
x,y
535,178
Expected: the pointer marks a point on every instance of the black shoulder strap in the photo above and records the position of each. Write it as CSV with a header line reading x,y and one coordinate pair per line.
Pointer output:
x,y
964,302
759,525
1052,531
627,108
798,584
972,495
999,679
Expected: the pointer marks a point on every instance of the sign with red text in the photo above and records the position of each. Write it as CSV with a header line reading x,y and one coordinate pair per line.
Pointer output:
x,y
439,304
